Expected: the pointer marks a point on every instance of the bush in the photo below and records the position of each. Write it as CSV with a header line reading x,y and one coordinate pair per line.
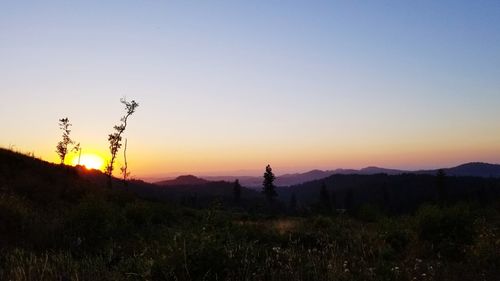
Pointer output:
x,y
195,257
139,213
449,230
369,213
94,222
15,218
398,240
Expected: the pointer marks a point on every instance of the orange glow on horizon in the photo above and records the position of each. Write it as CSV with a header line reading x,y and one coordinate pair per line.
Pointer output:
x,y
151,159
89,160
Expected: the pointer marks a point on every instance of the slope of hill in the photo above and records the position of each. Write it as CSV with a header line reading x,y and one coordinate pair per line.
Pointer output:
x,y
291,179
377,170
248,181
62,223
474,169
183,180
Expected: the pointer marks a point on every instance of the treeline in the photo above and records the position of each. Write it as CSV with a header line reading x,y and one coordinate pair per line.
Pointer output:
x,y
390,194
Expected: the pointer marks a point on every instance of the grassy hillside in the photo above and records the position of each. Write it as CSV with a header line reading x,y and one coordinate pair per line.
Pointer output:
x,y
60,223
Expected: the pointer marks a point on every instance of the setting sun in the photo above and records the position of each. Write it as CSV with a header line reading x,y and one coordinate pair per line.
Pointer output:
x,y
90,161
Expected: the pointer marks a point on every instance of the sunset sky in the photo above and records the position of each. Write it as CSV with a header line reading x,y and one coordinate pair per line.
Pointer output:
x,y
226,87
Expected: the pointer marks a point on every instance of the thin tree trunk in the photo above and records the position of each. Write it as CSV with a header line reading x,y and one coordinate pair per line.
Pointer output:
x,y
125,165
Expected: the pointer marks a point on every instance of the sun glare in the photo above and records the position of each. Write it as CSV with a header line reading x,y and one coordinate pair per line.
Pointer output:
x,y
90,161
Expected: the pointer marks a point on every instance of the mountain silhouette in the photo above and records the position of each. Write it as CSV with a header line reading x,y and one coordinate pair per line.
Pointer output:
x,y
183,180
474,169
377,170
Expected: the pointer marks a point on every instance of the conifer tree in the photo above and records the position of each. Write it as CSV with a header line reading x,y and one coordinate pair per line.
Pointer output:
x,y
293,203
269,189
333,200
325,198
441,186
237,191
349,200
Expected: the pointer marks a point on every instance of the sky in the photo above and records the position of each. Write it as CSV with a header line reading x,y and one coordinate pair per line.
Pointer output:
x,y
227,87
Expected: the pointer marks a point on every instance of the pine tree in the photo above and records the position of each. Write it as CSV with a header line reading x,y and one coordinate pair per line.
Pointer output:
x,y
441,186
349,200
268,189
386,200
293,203
237,191
333,200
325,198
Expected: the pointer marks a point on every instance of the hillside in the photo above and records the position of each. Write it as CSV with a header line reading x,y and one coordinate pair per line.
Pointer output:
x,y
476,169
183,180
63,223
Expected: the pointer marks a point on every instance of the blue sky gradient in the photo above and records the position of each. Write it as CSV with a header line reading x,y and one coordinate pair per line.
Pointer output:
x,y
229,86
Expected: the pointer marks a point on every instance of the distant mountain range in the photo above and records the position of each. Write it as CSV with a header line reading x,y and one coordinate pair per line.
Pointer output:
x,y
183,180
475,169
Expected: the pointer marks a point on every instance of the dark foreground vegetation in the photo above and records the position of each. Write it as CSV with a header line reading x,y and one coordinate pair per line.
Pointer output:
x,y
57,224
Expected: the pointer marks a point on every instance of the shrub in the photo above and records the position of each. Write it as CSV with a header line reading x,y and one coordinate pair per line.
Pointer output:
x,y
449,230
95,222
15,217
398,240
369,213
139,213
196,257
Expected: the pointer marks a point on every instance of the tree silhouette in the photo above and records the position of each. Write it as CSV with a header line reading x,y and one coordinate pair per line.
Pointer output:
x,y
441,186
386,199
324,197
77,149
124,169
115,138
268,189
349,200
237,191
62,146
333,200
293,203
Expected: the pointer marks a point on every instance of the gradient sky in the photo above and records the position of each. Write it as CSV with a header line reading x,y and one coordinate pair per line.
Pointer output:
x,y
230,86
